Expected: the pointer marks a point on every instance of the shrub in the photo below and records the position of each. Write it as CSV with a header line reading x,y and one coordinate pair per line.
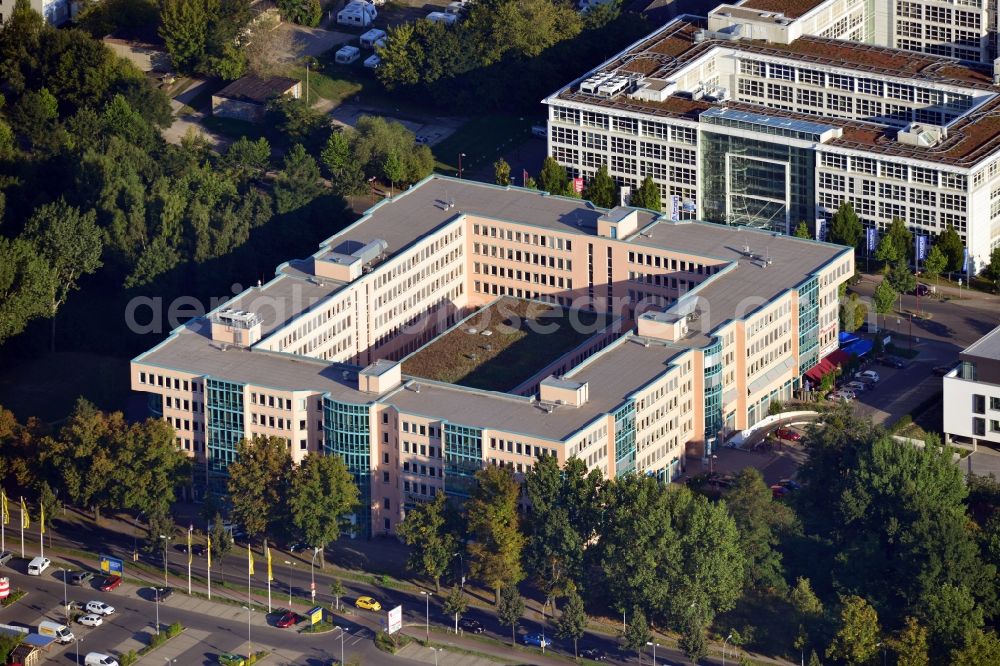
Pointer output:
x,y
128,658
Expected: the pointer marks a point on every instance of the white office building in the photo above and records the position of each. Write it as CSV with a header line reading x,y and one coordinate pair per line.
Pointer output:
x,y
972,394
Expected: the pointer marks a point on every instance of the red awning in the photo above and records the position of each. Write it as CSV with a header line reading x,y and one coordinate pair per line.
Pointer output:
x,y
827,365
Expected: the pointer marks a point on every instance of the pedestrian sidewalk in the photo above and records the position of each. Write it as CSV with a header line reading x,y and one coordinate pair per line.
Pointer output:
x,y
428,655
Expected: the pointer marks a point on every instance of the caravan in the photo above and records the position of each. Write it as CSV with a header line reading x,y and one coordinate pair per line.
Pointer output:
x,y
373,38
347,54
357,12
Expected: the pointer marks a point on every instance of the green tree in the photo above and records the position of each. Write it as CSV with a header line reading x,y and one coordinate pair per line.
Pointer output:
x,y
156,467
7,644
258,483
884,297
950,612
337,590
322,495
802,230
857,637
692,641
432,544
501,172
572,621
248,159
298,183
936,261
184,27
845,227
804,600
401,58
758,518
648,195
910,644
897,243
346,175
375,138
510,607
552,178
26,283
36,116
222,542
852,313
393,169
601,190
70,243
951,245
901,278
454,604
299,122
493,521
708,576
992,271
981,648
83,457
303,12
636,633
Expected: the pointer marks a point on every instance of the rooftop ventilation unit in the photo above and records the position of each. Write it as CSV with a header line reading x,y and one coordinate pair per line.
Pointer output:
x,y
237,318
371,251
922,135
605,84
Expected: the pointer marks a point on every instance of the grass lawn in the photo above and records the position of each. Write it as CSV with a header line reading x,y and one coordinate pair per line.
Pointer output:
x,y
331,81
48,386
483,140
233,128
519,343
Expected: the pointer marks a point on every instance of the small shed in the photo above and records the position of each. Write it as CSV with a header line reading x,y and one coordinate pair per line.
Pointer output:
x,y
371,38
347,54
247,98
28,655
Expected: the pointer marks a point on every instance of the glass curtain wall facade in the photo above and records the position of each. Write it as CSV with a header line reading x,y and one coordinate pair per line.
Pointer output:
x,y
625,439
463,454
224,407
346,434
713,395
756,183
808,324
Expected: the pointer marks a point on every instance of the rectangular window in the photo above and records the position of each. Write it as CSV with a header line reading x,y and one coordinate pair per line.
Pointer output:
x,y
978,403
979,427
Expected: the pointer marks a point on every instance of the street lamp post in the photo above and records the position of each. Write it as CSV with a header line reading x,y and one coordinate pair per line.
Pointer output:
x,y
341,645
290,565
156,600
724,649
427,613
166,540
65,573
249,639
312,576
460,156
76,644
461,568
653,643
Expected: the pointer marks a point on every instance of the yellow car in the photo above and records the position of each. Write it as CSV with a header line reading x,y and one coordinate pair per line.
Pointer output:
x,y
367,603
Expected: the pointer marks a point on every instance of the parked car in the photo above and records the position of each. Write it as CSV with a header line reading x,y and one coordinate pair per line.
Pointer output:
x,y
111,583
867,375
922,290
791,484
99,608
38,565
99,659
857,387
91,620
80,577
842,396
942,370
6,557
162,593
287,619
892,362
471,626
368,603
592,654
537,640
787,433
299,547
230,659
778,491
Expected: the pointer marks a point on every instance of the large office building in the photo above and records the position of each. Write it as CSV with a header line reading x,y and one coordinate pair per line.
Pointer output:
x,y
744,118
972,394
462,324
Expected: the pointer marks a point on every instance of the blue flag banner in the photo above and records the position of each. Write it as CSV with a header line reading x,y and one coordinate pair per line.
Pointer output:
x,y
921,247
965,260
871,238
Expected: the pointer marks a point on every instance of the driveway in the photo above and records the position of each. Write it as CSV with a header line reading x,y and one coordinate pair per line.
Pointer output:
x,y
186,121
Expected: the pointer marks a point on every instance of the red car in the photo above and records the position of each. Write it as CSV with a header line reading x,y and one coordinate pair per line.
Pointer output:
x,y
111,583
286,620
788,433
779,491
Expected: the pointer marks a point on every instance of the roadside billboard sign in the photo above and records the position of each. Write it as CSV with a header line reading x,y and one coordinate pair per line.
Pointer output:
x,y
395,622
112,565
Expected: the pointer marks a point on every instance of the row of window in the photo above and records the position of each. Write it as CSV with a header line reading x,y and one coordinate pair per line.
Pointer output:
x,y
422,470
422,449
169,382
526,276
541,240
513,446
315,321
185,405
894,170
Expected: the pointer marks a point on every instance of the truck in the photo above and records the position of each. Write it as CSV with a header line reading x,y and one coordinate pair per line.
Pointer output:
x,y
60,632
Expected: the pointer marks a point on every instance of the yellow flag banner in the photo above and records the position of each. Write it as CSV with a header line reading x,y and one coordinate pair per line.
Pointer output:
x,y
249,560
25,520
41,520
189,546
209,550
267,553
4,509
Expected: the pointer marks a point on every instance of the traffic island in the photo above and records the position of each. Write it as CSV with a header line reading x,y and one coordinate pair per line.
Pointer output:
x,y
159,639
12,598
391,643
318,628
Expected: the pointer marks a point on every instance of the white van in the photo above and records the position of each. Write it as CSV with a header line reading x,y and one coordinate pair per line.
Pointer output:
x,y
441,17
38,565
60,632
98,659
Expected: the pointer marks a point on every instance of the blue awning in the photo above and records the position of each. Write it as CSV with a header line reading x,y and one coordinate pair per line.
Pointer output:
x,y
847,338
858,347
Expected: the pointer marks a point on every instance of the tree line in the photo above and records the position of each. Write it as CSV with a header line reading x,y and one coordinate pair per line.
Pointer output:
x,y
883,548
92,197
